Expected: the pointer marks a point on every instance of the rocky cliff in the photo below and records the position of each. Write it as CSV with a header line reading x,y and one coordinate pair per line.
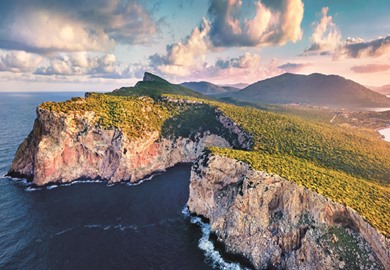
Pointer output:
x,y
63,147
276,224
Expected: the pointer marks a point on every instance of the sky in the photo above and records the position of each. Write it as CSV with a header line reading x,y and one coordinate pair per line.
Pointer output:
x,y
101,45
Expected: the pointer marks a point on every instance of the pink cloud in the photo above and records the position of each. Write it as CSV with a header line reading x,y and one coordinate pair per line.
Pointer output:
x,y
370,68
358,48
274,23
326,36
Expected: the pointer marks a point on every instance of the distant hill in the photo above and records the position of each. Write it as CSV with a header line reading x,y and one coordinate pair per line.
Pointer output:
x,y
231,88
154,86
315,89
236,85
384,90
205,88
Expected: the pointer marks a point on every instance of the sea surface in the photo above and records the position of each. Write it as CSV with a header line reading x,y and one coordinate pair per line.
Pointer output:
x,y
386,133
90,225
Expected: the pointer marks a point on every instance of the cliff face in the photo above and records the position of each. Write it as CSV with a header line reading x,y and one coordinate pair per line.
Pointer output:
x,y
65,147
276,224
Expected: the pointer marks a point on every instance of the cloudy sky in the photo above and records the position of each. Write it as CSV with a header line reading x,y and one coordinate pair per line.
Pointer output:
x,y
72,45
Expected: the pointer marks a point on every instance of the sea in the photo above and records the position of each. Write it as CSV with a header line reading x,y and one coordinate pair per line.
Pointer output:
x,y
90,224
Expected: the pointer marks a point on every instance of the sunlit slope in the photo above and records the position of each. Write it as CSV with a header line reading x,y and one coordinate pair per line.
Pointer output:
x,y
340,163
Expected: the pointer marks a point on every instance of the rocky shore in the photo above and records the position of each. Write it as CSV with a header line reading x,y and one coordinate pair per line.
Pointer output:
x,y
276,224
64,147
269,221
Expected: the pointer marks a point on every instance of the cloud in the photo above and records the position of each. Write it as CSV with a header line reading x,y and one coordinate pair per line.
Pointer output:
x,y
370,68
358,48
82,64
252,23
67,26
19,61
326,36
244,68
179,56
293,67
183,53
245,61
230,24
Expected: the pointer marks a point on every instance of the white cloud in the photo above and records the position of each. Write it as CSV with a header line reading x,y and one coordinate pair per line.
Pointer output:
x,y
273,23
326,36
244,68
358,48
69,26
19,61
80,64
181,57
196,44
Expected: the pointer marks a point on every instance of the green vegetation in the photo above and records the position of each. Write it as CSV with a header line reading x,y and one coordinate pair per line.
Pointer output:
x,y
328,146
135,116
347,166
370,200
341,163
155,89
195,118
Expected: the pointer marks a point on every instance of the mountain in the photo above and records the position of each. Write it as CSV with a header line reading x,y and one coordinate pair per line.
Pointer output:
x,y
154,86
205,88
385,89
231,88
261,175
236,85
315,89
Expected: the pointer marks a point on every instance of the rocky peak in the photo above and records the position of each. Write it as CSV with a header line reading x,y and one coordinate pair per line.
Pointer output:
x,y
149,77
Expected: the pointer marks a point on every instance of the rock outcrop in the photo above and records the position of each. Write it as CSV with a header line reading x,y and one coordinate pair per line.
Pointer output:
x,y
65,147
276,224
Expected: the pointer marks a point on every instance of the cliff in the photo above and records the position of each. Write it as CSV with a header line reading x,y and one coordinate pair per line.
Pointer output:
x,y
276,224
270,221
64,147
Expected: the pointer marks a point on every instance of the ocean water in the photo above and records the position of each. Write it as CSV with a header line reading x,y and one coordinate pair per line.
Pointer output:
x,y
386,133
90,225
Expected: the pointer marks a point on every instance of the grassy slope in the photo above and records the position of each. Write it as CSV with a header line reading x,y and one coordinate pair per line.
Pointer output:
x,y
155,89
346,166
349,167
315,89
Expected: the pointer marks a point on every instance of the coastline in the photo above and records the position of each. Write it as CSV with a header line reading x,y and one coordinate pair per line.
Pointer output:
x,y
385,133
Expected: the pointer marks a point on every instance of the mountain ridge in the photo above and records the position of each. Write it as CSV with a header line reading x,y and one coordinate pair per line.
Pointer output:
x,y
314,89
208,88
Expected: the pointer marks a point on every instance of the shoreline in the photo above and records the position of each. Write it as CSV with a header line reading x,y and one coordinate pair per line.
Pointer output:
x,y
385,133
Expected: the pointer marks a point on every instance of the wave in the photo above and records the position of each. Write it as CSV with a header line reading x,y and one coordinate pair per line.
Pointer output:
x,y
143,180
112,227
212,255
31,187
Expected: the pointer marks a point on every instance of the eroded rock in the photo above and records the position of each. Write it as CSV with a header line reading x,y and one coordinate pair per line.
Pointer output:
x,y
276,224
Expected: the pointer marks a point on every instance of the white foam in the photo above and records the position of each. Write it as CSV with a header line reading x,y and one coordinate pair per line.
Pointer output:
x,y
29,189
53,186
212,255
112,227
143,180
65,231
29,186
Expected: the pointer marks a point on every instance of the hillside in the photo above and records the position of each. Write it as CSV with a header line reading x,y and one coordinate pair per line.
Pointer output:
x,y
125,128
154,86
315,89
384,90
205,88
236,85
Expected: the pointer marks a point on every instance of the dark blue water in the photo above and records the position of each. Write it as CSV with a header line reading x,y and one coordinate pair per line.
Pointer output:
x,y
92,225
